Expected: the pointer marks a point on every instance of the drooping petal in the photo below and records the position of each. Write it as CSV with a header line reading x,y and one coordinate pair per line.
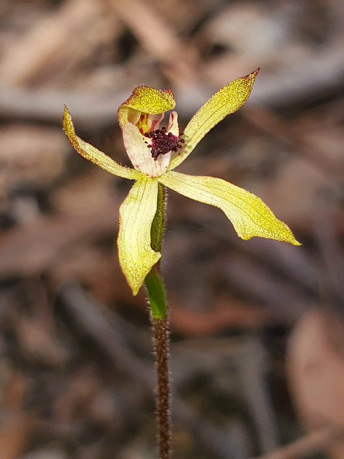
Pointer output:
x,y
226,101
248,214
93,154
140,155
145,100
136,214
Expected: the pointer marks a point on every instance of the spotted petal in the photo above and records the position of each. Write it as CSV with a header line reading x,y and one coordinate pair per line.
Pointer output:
x,y
145,100
93,154
136,214
140,155
226,101
248,214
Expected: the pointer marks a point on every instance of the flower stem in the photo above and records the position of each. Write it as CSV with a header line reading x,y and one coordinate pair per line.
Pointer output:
x,y
161,341
159,316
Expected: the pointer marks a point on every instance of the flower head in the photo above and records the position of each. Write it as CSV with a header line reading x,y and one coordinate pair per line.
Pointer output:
x,y
154,152
149,147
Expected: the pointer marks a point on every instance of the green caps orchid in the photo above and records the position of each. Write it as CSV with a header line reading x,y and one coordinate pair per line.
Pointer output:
x,y
154,152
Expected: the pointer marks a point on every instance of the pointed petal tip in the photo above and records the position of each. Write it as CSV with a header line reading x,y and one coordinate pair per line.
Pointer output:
x,y
66,122
286,238
255,73
65,111
135,284
252,76
287,235
135,290
67,126
280,233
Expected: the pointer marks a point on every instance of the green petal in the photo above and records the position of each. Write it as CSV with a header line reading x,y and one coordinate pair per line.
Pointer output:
x,y
145,100
136,215
248,214
93,154
226,101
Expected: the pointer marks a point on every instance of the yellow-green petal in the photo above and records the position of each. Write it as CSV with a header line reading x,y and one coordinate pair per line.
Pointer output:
x,y
248,214
226,101
146,100
136,215
93,154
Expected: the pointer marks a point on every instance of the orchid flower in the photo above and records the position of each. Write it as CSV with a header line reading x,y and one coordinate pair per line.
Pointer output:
x,y
155,152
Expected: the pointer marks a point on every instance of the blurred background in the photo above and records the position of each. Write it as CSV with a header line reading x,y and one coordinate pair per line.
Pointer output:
x,y
257,326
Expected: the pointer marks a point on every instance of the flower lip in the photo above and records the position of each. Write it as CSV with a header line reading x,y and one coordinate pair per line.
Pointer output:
x,y
163,142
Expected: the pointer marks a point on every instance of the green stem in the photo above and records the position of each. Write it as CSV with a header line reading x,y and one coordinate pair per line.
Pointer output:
x,y
159,316
156,294
158,225
154,282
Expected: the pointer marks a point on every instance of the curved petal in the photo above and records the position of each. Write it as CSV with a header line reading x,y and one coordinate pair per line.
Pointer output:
x,y
93,154
140,155
145,100
248,214
136,215
226,101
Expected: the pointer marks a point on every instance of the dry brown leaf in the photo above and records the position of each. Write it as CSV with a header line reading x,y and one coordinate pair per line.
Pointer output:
x,y
315,366
14,436
15,427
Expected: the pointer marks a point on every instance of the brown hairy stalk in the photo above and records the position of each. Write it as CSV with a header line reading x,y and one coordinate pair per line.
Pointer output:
x,y
161,341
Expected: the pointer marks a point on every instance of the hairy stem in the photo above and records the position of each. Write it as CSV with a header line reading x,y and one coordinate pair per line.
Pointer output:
x,y
161,341
159,316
